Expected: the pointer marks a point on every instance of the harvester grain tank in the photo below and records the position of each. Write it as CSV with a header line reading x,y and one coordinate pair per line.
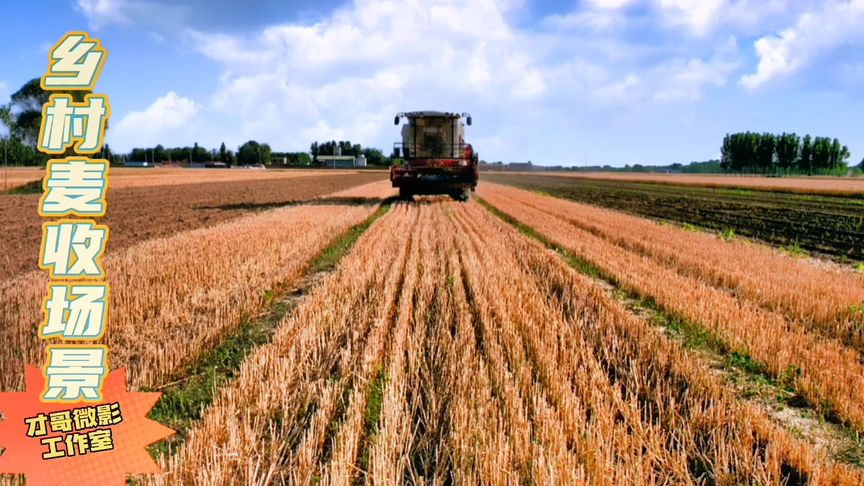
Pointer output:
x,y
433,157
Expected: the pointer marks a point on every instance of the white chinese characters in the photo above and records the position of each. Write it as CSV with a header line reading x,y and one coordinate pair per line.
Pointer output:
x,y
76,62
65,122
73,249
75,186
75,311
75,373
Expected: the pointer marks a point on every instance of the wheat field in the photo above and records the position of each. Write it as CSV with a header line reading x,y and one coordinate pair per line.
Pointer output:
x,y
802,185
446,347
494,341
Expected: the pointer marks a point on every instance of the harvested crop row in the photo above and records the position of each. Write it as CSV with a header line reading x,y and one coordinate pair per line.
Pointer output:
x,y
12,177
447,347
134,177
829,375
136,214
822,224
302,378
372,191
802,185
822,296
143,177
681,417
172,297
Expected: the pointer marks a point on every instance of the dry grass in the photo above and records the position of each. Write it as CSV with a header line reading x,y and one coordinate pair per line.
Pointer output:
x,y
846,186
171,297
829,375
12,177
818,294
141,177
136,214
377,190
137,177
448,347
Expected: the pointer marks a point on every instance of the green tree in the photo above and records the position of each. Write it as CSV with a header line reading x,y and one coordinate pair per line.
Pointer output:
x,y
15,152
375,156
199,154
765,145
726,153
787,151
821,158
158,154
26,109
252,153
805,163
106,154
137,155
223,154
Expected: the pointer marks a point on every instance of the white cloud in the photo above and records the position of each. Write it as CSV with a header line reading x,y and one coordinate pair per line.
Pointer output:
x,y
343,77
686,79
815,32
596,20
169,119
611,4
696,15
348,75
104,12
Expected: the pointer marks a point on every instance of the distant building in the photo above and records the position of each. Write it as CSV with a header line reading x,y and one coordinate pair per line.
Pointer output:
x,y
212,164
342,161
520,166
134,163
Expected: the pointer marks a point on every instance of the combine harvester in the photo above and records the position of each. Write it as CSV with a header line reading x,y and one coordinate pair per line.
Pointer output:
x,y
433,157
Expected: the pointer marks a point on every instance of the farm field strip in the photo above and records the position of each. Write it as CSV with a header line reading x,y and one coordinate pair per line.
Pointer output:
x,y
182,292
302,377
823,295
147,177
18,176
183,399
372,191
130,177
801,185
447,346
829,225
829,375
136,214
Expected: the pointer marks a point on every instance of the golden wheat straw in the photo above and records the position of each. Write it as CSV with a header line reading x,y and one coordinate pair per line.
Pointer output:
x,y
172,297
822,370
818,294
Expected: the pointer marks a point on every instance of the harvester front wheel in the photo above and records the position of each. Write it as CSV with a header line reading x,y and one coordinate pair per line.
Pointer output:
x,y
405,194
460,195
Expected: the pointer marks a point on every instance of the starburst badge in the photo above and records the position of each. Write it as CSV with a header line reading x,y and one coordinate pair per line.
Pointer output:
x,y
78,443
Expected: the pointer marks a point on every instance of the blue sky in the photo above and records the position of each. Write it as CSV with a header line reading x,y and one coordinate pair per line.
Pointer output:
x,y
556,82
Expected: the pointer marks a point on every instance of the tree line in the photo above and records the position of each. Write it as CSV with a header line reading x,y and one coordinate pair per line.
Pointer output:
x,y
787,153
22,118
254,153
249,153
373,156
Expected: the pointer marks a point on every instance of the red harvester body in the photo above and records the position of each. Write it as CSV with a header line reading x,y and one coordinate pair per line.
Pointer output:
x,y
433,156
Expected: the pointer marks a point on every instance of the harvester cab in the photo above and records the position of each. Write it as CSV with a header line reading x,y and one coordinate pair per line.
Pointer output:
x,y
433,157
